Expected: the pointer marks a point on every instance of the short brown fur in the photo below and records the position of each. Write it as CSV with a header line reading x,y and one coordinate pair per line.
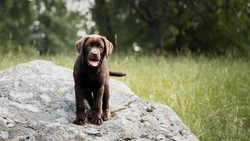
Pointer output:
x,y
91,78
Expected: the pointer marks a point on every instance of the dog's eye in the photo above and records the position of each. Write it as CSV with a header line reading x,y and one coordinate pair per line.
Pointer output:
x,y
100,46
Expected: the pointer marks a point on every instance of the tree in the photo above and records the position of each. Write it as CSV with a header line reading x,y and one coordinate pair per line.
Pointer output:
x,y
47,26
16,18
100,14
54,29
175,25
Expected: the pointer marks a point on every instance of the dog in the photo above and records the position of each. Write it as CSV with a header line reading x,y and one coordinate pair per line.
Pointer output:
x,y
91,77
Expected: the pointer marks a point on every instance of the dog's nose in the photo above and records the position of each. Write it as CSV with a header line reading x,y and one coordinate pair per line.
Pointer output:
x,y
94,53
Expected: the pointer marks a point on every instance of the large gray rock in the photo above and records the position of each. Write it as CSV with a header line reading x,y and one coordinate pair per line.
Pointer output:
x,y
37,103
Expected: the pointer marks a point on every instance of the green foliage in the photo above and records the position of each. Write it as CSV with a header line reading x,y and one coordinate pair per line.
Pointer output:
x,y
44,26
54,30
173,26
16,17
209,26
100,15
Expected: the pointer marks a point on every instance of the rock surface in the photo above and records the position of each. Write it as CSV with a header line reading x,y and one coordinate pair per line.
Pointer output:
x,y
37,103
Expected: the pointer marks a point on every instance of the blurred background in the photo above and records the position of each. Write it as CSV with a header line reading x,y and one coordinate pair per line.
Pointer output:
x,y
192,55
162,27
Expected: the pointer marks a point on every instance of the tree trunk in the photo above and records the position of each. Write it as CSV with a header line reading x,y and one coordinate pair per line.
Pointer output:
x,y
102,18
156,39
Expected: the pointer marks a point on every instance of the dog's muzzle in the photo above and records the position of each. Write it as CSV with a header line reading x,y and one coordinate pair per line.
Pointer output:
x,y
93,59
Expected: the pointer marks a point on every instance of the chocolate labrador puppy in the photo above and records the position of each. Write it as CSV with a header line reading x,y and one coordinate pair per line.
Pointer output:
x,y
91,78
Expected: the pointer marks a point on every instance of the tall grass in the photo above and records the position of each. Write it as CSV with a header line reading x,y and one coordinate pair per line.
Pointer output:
x,y
211,96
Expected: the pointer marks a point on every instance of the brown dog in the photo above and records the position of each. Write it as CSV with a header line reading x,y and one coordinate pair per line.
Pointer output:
x,y
91,78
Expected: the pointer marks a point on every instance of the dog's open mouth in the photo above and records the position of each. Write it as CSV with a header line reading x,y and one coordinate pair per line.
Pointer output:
x,y
93,62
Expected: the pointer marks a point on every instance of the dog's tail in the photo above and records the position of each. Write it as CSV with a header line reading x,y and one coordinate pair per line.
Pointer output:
x,y
114,73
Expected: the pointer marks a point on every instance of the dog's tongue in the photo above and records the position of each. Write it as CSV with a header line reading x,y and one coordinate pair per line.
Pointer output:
x,y
93,63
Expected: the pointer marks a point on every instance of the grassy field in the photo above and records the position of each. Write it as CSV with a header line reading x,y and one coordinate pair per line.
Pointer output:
x,y
211,96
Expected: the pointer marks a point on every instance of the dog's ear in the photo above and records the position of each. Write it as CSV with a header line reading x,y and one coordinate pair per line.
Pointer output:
x,y
80,43
108,46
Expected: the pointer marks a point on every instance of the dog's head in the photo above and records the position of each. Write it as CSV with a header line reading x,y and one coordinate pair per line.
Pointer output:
x,y
93,49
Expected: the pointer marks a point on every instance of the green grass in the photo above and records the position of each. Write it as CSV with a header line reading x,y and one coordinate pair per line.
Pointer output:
x,y
211,96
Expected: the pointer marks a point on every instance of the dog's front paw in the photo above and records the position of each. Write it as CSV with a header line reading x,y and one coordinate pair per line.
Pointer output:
x,y
96,118
97,121
79,122
105,115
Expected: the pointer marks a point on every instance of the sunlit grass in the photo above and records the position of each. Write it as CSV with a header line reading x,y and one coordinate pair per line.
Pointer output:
x,y
211,96
9,60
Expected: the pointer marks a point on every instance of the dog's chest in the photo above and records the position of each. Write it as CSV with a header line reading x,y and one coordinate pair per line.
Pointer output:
x,y
90,82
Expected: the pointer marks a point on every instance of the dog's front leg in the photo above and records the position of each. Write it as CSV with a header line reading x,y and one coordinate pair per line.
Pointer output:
x,y
97,107
80,109
105,104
